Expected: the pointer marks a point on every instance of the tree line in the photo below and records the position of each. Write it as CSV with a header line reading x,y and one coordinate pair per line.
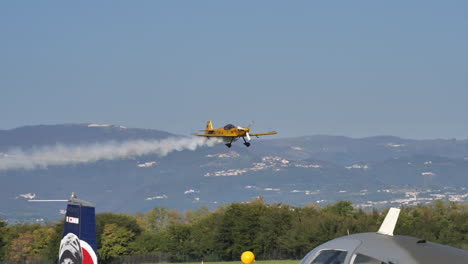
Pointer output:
x,y
271,231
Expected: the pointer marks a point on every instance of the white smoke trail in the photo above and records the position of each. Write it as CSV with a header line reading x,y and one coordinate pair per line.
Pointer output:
x,y
73,154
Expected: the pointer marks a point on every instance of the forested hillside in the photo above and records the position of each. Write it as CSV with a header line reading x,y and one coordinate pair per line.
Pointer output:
x,y
271,231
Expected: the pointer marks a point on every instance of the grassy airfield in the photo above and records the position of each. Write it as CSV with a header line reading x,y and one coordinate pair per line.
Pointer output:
x,y
238,262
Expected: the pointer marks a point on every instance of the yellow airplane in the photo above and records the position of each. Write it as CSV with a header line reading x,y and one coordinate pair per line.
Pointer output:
x,y
230,133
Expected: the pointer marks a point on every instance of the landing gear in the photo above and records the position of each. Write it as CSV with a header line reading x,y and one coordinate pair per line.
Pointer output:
x,y
247,144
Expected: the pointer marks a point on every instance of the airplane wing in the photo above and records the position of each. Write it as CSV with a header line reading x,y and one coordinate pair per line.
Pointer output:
x,y
263,134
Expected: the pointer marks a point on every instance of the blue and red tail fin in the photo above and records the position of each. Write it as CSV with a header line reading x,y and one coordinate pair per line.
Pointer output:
x,y
78,245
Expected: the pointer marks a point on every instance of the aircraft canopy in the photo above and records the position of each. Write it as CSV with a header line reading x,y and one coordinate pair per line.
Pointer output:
x,y
229,126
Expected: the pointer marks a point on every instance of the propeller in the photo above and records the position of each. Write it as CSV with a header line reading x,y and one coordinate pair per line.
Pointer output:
x,y
247,135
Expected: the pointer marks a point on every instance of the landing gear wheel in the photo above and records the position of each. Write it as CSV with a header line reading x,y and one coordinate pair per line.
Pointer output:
x,y
228,145
247,144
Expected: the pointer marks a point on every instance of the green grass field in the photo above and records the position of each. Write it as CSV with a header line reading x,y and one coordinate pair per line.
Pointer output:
x,y
238,262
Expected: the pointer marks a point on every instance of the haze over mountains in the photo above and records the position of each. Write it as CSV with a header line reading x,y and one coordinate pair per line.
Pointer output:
x,y
371,172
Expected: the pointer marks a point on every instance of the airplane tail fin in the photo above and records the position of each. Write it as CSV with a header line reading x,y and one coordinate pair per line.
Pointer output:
x,y
78,244
389,223
209,126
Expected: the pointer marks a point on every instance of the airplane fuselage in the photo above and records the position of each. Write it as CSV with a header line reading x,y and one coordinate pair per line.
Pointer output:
x,y
233,132
377,248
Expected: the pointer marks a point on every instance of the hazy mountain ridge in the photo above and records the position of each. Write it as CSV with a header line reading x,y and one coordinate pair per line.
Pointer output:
x,y
29,136
295,170
346,150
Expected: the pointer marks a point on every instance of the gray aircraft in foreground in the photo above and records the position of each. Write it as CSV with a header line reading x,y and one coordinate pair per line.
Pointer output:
x,y
384,248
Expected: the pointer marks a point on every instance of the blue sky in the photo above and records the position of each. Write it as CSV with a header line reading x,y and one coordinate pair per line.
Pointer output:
x,y
353,68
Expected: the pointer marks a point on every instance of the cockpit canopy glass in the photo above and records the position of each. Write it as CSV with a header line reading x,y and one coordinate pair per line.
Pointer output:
x,y
363,259
330,256
228,126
